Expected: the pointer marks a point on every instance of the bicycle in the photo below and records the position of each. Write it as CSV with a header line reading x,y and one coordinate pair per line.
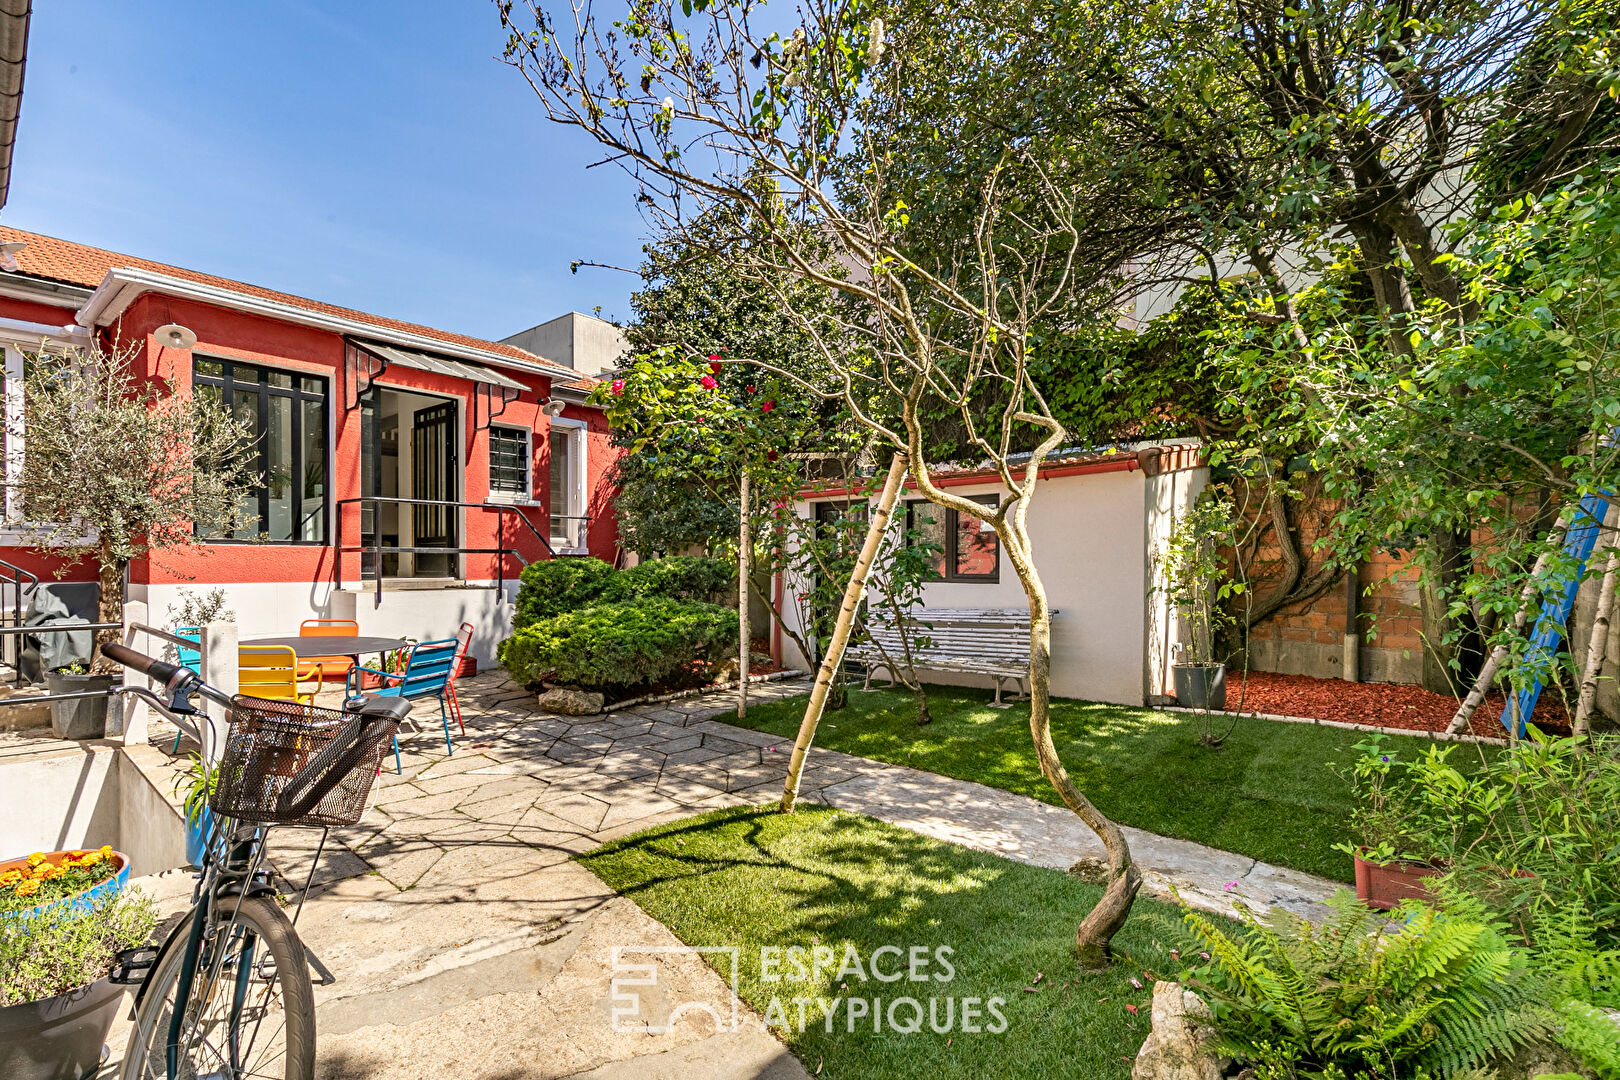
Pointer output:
x,y
227,995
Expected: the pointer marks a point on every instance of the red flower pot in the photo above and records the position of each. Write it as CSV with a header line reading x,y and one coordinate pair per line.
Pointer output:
x,y
1385,885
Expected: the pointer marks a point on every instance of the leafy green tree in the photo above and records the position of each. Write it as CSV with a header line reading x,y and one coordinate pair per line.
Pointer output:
x,y
695,303
115,467
1496,426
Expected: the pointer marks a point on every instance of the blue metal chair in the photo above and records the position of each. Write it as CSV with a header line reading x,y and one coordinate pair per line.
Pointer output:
x,y
190,658
427,672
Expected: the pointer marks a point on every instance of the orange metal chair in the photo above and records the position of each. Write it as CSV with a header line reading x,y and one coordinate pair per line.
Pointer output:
x,y
270,671
463,639
327,667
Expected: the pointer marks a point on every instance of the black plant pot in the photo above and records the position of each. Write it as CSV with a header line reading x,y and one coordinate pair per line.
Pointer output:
x,y
58,1038
85,718
1201,686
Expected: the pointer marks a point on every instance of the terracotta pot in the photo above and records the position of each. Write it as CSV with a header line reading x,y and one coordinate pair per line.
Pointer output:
x,y
58,1038
93,895
1384,885
368,681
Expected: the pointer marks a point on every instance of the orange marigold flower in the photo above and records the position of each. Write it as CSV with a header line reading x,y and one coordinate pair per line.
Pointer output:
x,y
91,858
28,888
36,858
9,878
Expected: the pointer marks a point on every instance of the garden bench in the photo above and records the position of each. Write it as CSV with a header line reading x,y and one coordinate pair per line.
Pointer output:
x,y
977,641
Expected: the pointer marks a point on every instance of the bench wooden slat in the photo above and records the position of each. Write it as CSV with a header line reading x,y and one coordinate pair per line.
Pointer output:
x,y
981,641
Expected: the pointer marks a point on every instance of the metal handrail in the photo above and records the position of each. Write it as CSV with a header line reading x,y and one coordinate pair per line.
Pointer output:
x,y
17,619
378,549
61,628
164,634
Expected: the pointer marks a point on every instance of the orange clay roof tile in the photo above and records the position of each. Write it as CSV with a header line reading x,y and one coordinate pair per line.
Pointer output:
x,y
80,264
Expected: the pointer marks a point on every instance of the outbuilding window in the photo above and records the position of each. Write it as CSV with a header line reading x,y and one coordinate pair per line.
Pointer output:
x,y
969,549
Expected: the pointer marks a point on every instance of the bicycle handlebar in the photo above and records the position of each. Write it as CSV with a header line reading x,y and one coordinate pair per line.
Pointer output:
x,y
160,670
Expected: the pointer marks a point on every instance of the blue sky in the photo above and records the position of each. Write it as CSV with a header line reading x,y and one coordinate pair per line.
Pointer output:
x,y
369,154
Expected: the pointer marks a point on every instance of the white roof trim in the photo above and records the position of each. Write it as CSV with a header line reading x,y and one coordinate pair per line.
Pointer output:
x,y
18,332
122,285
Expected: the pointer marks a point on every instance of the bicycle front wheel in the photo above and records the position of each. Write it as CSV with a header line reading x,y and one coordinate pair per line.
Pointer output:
x,y
249,1013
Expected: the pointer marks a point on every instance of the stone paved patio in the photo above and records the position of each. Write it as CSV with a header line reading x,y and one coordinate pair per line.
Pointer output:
x,y
464,941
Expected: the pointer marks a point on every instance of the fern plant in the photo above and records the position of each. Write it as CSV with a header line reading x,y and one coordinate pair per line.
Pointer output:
x,y
1429,995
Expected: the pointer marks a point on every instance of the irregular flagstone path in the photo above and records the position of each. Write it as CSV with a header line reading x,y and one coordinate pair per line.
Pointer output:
x,y
464,940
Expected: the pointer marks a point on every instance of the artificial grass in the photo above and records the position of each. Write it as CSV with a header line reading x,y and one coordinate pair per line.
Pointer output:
x,y
753,877
1269,791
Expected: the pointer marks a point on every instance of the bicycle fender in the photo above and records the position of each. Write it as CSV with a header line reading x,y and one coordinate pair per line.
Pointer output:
x,y
247,889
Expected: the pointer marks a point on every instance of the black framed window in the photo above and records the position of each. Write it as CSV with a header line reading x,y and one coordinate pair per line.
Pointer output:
x,y
969,549
509,461
286,412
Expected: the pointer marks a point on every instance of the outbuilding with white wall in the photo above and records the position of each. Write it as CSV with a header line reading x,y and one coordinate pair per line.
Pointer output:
x,y
1096,522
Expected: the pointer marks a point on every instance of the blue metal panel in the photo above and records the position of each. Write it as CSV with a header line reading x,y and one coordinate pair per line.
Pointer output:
x,y
1549,631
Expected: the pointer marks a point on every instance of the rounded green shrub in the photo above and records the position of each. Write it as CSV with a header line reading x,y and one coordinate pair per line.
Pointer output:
x,y
678,577
554,586
623,646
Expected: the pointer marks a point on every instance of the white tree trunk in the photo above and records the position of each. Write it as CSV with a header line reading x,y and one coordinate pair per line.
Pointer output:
x,y
1596,647
745,639
876,527
1487,673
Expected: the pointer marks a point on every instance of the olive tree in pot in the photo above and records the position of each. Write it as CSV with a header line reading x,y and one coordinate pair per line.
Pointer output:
x,y
56,1000
1193,574
115,464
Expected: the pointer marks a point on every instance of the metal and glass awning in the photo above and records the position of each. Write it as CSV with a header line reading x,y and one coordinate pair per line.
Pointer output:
x,y
456,369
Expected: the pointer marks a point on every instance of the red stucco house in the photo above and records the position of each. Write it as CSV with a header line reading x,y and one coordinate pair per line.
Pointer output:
x,y
412,472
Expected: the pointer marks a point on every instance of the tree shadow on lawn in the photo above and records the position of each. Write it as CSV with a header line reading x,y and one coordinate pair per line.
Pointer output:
x,y
756,878
1270,791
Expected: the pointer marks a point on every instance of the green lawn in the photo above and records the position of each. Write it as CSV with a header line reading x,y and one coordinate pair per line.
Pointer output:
x,y
1269,791
751,878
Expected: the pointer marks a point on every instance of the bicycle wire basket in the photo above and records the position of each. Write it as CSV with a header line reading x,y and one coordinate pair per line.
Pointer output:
x,y
268,743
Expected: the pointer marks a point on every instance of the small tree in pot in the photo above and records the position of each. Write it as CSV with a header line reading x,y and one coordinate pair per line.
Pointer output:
x,y
1194,577
115,465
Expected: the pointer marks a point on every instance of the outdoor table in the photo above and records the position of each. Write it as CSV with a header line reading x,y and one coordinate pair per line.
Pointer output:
x,y
323,645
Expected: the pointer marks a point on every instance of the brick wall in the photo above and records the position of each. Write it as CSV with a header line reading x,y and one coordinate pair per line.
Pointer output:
x,y
1307,638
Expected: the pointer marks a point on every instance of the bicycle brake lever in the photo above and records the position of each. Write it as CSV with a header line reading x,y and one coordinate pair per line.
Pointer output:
x,y
181,702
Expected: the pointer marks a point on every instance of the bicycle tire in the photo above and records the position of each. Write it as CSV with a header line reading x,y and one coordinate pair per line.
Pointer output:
x,y
289,1052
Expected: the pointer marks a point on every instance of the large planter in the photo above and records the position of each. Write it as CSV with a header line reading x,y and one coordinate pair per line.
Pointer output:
x,y
1385,885
85,900
1201,686
85,718
58,1038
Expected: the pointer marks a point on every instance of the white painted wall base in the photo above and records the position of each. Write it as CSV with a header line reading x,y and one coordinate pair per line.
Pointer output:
x,y
265,609
87,795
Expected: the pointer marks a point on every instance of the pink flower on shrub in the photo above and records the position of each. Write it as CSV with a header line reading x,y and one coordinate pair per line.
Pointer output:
x,y
751,390
770,455
767,406
714,364
707,382
617,387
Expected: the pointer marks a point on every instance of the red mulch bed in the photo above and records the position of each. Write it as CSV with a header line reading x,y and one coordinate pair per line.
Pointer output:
x,y
1381,704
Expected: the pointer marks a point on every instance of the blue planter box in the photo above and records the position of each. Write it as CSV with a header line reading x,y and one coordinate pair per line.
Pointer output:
x,y
83,901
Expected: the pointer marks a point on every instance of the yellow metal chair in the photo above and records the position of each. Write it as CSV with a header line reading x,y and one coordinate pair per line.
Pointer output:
x,y
270,671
